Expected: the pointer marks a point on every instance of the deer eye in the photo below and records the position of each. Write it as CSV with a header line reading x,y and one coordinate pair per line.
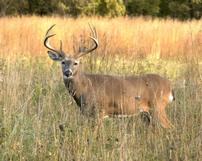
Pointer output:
x,y
63,63
75,63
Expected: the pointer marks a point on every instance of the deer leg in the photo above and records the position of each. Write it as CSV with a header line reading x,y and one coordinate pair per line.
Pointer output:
x,y
146,118
162,116
145,114
99,123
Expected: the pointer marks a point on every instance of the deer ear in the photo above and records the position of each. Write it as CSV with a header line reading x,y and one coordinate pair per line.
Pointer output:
x,y
54,56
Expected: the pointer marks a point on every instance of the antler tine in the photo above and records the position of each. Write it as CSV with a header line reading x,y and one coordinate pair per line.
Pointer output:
x,y
47,32
61,51
95,41
60,46
48,46
46,42
93,30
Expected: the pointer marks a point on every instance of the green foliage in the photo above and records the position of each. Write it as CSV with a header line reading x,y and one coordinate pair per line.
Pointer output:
x,y
178,9
75,7
111,8
143,7
182,9
96,7
62,9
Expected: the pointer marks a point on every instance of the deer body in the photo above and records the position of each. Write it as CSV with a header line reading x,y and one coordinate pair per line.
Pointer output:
x,y
110,95
115,95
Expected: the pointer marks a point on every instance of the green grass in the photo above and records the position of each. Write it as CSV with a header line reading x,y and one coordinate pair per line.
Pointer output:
x,y
34,103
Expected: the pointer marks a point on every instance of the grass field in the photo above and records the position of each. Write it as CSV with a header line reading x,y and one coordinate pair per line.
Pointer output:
x,y
34,102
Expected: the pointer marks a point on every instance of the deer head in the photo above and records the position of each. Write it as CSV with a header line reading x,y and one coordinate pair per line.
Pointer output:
x,y
70,64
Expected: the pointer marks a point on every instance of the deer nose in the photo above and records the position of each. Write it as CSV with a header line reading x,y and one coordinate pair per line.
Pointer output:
x,y
68,73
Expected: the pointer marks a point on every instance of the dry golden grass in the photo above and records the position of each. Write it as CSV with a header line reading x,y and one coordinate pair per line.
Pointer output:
x,y
34,101
128,36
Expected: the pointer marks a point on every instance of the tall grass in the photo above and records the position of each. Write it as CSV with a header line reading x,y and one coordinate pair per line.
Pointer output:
x,y
40,121
124,36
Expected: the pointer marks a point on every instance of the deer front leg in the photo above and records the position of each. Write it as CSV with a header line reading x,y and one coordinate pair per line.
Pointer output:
x,y
144,113
98,124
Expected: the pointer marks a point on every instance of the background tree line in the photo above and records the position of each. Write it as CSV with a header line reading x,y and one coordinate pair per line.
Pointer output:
x,y
182,9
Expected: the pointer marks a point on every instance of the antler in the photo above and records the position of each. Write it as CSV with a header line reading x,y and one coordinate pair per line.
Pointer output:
x,y
84,51
48,46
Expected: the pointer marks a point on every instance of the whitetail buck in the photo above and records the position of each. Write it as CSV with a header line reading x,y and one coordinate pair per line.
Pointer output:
x,y
112,95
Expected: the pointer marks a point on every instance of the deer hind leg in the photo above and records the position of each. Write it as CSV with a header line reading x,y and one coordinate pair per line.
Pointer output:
x,y
161,114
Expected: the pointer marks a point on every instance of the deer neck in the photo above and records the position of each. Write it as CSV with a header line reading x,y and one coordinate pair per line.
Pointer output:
x,y
78,85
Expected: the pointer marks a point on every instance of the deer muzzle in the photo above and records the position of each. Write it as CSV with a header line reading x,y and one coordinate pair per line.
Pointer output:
x,y
68,73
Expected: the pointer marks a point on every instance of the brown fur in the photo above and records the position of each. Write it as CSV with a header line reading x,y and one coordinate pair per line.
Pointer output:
x,y
115,95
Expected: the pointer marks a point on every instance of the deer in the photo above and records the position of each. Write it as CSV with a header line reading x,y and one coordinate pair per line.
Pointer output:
x,y
103,95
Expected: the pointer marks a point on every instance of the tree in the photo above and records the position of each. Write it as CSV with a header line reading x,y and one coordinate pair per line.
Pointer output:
x,y
4,6
61,8
164,9
181,9
195,8
143,7
111,8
